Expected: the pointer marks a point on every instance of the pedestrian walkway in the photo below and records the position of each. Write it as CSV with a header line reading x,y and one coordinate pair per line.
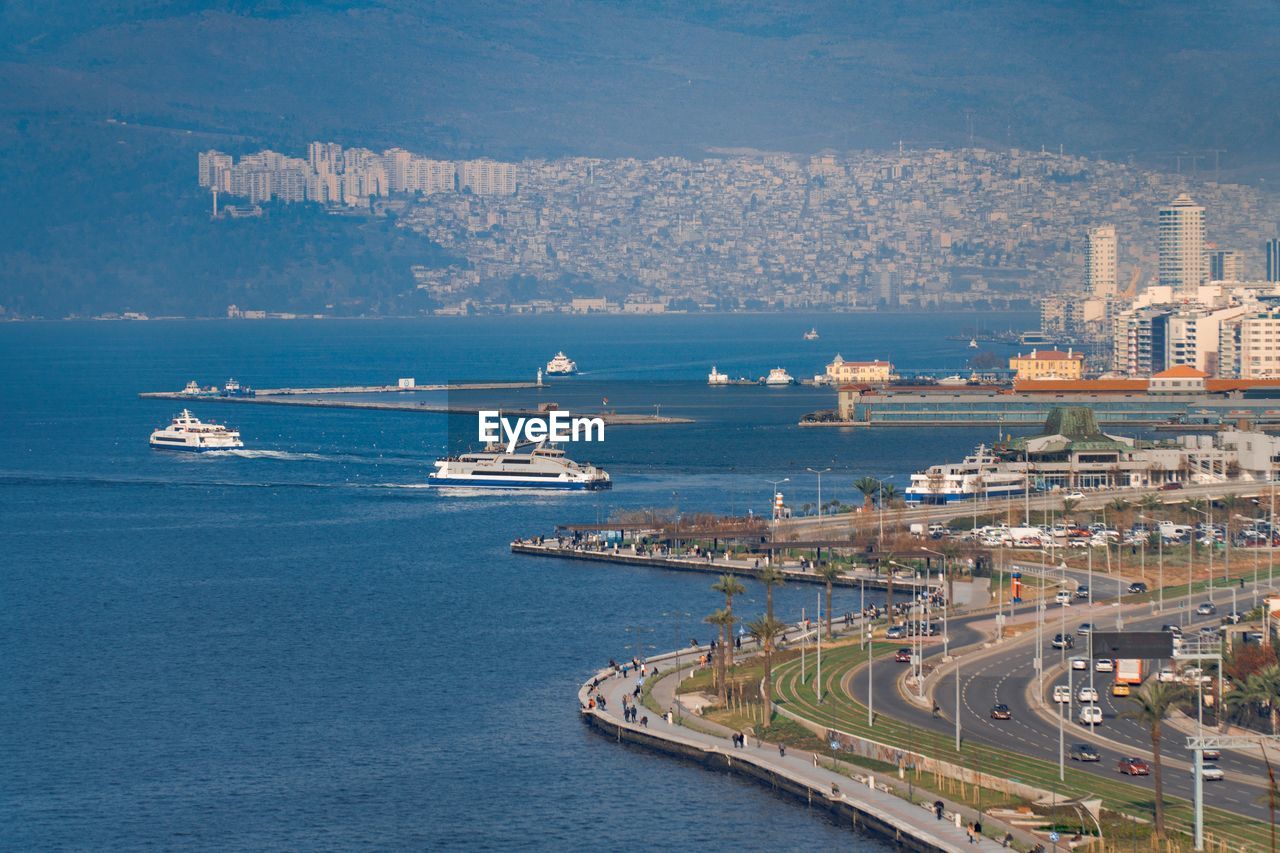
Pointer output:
x,y
797,766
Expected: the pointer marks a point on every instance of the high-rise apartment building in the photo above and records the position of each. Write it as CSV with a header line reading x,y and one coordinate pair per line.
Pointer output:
x,y
1260,345
1273,260
1223,264
1100,261
1181,244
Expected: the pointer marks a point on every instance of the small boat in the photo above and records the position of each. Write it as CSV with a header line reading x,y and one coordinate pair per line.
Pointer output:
x,y
973,343
235,389
954,379
187,432
811,335
715,377
778,377
561,365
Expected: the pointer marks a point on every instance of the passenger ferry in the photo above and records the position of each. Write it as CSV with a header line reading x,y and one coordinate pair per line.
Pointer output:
x,y
778,376
715,377
561,365
980,475
542,468
187,432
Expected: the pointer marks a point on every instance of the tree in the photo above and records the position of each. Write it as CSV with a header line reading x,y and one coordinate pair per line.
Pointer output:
x,y
728,586
766,629
724,620
1261,691
1154,700
770,576
829,572
1069,504
869,487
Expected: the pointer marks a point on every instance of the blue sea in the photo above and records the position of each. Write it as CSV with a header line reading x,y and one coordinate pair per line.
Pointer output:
x,y
299,647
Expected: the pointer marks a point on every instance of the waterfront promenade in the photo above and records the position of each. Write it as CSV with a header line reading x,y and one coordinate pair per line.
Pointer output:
x,y
863,802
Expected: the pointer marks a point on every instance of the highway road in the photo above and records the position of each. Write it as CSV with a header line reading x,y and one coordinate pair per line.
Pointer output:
x,y
1005,676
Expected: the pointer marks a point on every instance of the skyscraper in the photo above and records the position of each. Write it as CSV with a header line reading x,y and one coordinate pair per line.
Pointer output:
x,y
1224,265
1182,259
1100,261
1273,260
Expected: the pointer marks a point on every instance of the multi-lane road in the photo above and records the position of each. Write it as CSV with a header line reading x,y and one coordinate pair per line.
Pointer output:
x,y
1007,676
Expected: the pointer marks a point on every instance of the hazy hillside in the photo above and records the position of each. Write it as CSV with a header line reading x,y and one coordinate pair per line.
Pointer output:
x,y
609,78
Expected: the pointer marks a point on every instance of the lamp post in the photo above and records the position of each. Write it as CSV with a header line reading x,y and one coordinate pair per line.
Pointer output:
x,y
946,602
1159,561
819,473
880,509
1209,528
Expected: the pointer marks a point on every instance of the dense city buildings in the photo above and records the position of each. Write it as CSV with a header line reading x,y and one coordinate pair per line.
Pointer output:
x,y
1182,262
1223,264
751,230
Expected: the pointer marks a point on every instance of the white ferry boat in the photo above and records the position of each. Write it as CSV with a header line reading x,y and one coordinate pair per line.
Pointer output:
x,y
561,365
811,335
715,377
778,376
542,468
187,432
981,475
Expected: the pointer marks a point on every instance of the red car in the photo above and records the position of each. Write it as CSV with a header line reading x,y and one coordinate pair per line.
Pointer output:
x,y
1170,487
1134,767
902,656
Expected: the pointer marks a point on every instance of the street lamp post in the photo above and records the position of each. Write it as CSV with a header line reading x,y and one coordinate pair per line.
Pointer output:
x,y
946,601
819,473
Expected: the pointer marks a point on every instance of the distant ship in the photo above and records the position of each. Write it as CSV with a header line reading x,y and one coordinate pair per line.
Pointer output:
x,y
715,377
561,365
811,335
778,376
235,389
187,432
954,379
973,343
542,468
980,475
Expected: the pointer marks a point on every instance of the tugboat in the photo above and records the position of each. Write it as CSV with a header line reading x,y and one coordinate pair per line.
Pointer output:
x,y
811,335
187,432
235,389
561,365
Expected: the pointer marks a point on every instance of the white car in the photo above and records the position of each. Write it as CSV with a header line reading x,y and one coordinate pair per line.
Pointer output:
x,y
1104,665
1079,663
1063,597
1090,715
1074,496
1061,693
1210,773
1167,676
1087,694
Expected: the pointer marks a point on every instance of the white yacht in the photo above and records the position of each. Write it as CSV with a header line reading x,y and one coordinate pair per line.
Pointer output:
x,y
542,468
778,376
715,377
561,365
187,432
980,475
811,335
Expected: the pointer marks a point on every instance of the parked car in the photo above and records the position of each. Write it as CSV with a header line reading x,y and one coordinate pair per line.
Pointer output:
x,y
1170,487
1087,694
1137,587
1120,688
1210,773
1074,496
1208,608
1134,767
896,632
902,656
1090,715
1001,712
1080,663
1104,665
1084,752
1061,693
1168,675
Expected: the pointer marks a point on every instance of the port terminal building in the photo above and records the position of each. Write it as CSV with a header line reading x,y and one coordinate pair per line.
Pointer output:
x,y
1181,397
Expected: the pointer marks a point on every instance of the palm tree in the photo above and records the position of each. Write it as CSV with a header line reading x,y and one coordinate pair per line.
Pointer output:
x,y
770,576
829,572
1068,504
869,487
889,493
1154,700
766,629
728,586
1194,509
724,620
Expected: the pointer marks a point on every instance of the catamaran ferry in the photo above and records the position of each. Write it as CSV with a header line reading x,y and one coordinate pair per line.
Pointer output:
x,y
561,365
187,432
542,468
981,475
